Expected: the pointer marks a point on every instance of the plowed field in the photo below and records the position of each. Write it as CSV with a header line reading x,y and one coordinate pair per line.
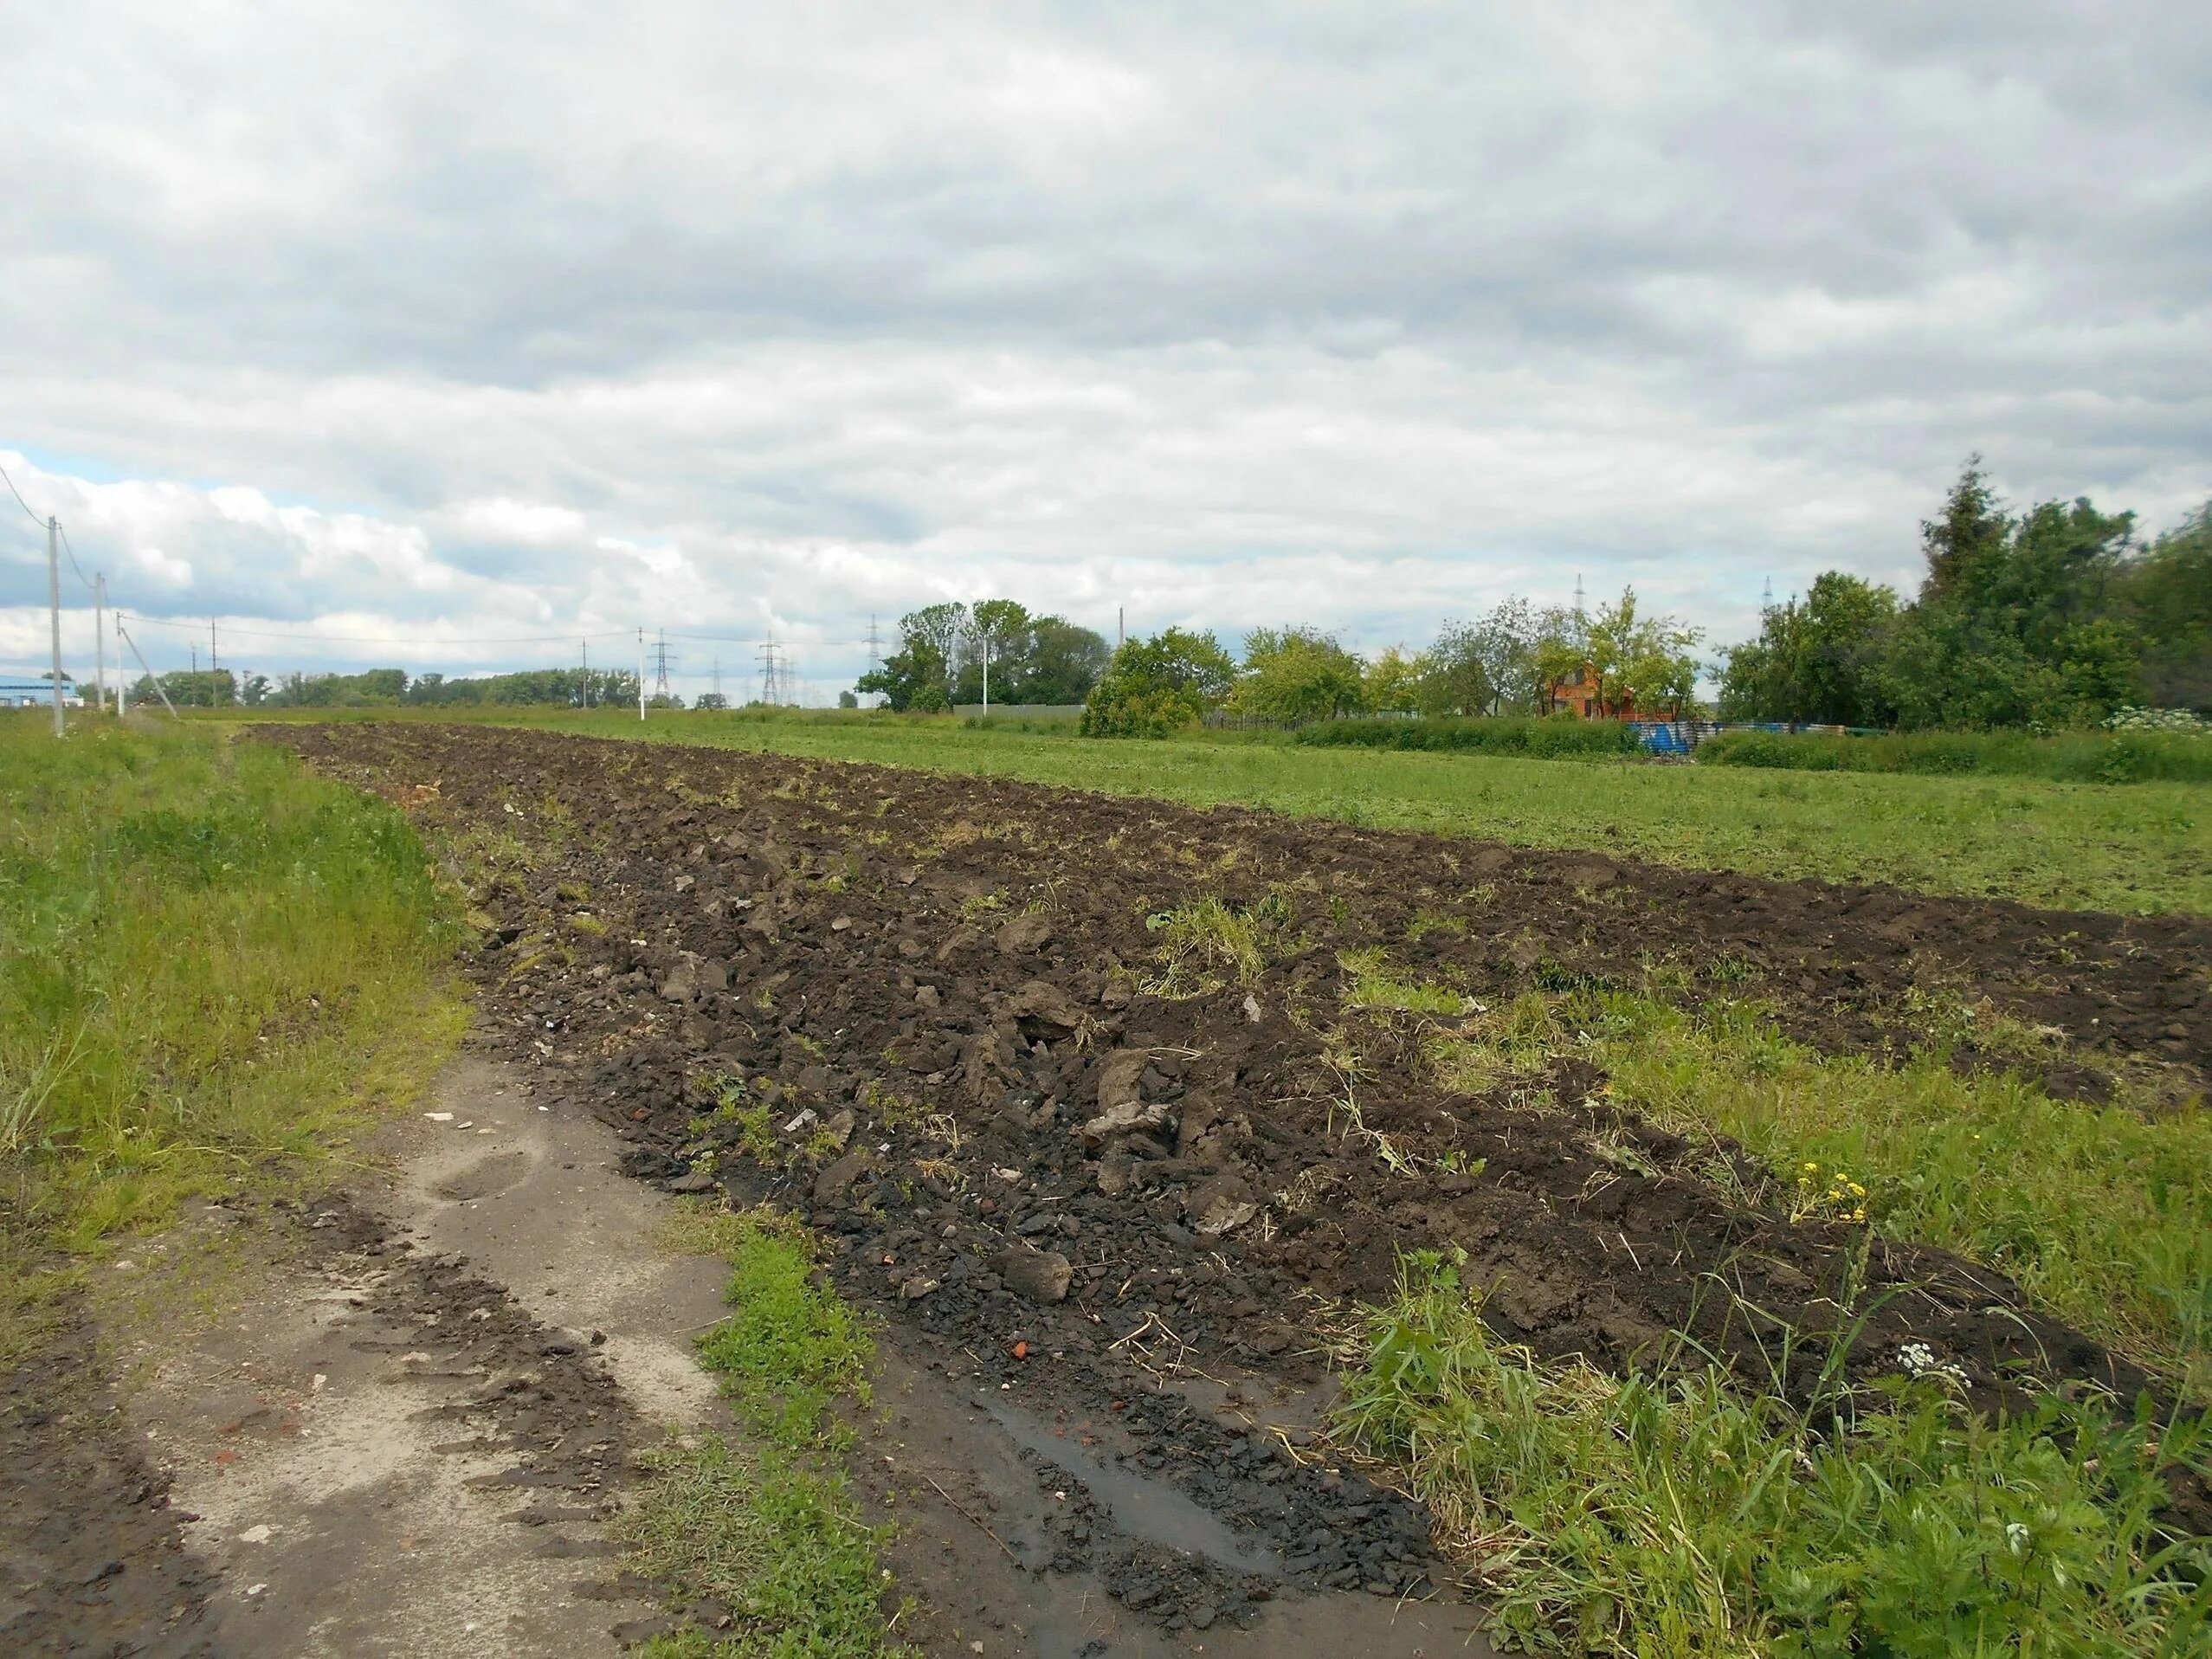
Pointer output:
x,y
1125,1105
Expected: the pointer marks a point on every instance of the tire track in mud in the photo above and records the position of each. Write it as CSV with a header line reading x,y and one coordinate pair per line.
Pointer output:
x,y
902,1005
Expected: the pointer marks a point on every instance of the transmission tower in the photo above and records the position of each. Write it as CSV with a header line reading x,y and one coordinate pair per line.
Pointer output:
x,y
718,680
771,674
660,667
1766,596
1579,593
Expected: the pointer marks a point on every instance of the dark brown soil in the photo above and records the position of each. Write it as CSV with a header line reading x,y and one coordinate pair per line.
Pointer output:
x,y
91,1559
929,980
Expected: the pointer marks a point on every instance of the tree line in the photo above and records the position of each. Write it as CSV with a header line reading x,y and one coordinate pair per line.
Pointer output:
x,y
944,650
1517,659
2053,617
392,688
2048,618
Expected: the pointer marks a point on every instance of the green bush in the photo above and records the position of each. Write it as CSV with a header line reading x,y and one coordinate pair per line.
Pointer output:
x,y
2123,757
1119,710
1508,735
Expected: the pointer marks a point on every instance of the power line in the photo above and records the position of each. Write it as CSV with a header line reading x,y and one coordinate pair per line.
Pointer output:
x,y
72,551
20,502
40,523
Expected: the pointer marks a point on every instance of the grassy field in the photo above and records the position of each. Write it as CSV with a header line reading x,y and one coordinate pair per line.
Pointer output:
x,y
1673,1511
212,964
2137,847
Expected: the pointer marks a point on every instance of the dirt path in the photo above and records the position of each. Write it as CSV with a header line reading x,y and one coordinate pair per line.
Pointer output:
x,y
409,1435
408,1431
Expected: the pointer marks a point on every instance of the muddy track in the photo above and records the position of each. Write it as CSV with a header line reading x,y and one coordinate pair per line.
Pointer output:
x,y
903,1004
95,1555
92,1560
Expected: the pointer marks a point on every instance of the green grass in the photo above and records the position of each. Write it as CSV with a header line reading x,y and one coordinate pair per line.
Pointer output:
x,y
1556,738
1679,1515
2138,849
212,965
763,1523
2070,757
1201,940
2102,1213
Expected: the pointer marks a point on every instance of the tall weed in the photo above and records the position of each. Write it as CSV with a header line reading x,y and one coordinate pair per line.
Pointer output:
x,y
1677,1515
208,959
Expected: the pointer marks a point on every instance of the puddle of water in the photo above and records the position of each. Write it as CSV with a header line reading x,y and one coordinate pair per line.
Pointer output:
x,y
1141,1506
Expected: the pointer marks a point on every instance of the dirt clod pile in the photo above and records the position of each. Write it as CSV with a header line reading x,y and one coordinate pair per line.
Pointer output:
x,y
1068,1087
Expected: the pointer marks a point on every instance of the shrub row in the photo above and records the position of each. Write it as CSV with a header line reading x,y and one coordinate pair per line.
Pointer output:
x,y
2074,756
1507,736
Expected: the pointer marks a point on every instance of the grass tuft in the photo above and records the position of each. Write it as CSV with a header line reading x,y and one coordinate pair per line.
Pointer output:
x,y
762,1524
1204,939
1373,986
1676,1515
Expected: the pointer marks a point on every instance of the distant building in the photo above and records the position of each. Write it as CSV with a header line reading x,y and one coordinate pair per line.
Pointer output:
x,y
1578,694
36,691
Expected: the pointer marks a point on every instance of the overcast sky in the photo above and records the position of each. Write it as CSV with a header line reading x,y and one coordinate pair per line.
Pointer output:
x,y
429,322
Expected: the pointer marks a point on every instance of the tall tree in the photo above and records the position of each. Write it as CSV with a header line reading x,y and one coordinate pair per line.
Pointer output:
x,y
2013,625
1394,682
1505,643
1455,674
1160,685
1064,662
1813,660
2166,594
919,675
1632,657
1296,674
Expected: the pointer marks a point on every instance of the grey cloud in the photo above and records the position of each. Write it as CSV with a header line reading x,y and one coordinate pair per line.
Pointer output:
x,y
1080,299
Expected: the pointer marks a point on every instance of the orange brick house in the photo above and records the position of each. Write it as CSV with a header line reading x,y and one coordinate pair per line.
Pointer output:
x,y
1578,692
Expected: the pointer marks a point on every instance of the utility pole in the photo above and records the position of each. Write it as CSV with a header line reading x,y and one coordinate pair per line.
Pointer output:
x,y
99,637
195,673
586,643
160,690
986,673
641,676
54,607
213,666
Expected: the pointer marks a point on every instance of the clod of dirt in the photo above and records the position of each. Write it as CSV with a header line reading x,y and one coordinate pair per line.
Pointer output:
x,y
1039,1275
1023,934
